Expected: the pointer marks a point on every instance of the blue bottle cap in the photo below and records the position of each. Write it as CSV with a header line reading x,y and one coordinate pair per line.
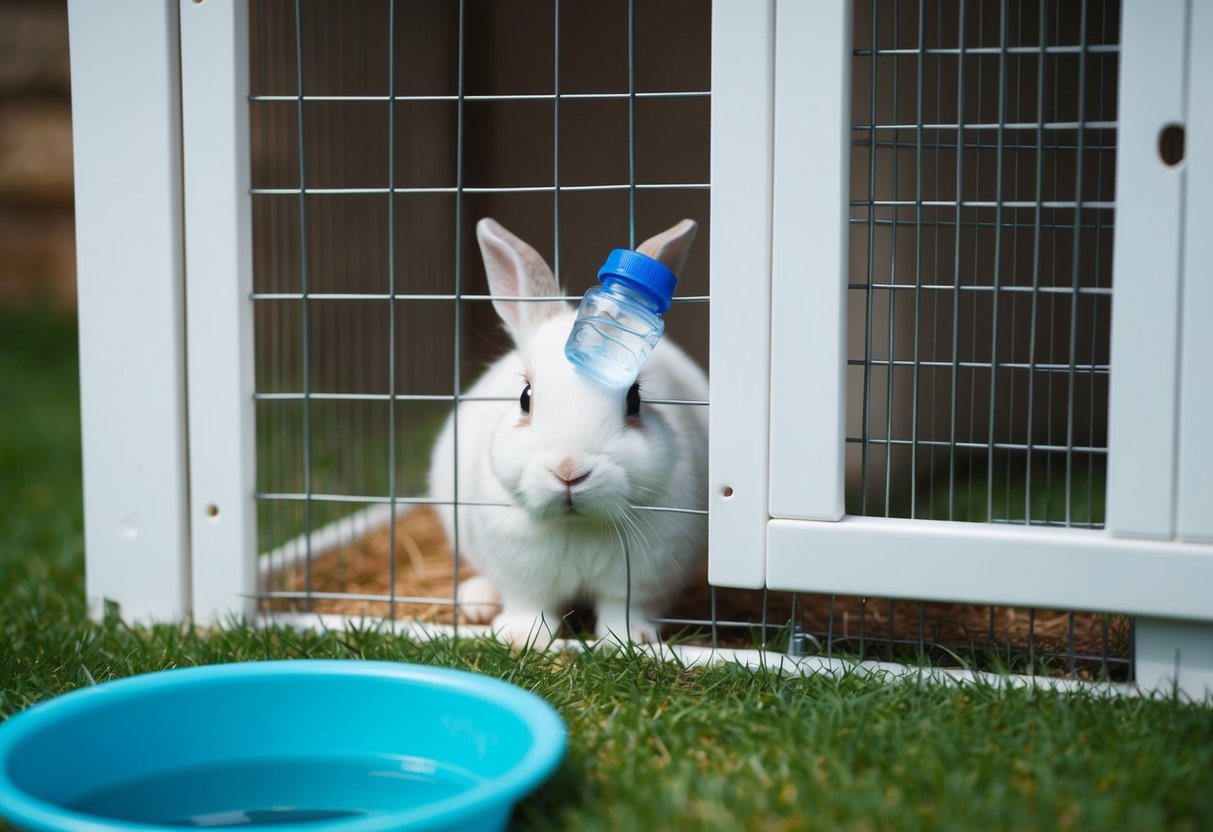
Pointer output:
x,y
642,273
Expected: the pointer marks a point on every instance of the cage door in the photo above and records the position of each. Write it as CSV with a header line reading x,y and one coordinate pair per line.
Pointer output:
x,y
996,145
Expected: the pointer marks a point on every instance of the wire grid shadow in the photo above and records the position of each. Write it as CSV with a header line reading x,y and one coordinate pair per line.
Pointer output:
x,y
981,227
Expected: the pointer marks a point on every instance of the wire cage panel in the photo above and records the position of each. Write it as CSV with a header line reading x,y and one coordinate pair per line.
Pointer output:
x,y
990,166
327,223
380,134
982,223
372,325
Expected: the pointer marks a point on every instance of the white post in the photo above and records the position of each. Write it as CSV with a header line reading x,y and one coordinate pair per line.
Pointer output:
x,y
214,74
743,37
1174,657
1195,510
126,135
980,563
809,259
1158,456
1143,392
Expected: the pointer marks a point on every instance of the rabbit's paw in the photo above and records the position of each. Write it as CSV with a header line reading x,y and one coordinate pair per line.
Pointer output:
x,y
478,599
614,622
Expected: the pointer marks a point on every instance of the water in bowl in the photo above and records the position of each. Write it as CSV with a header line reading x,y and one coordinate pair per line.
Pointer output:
x,y
277,791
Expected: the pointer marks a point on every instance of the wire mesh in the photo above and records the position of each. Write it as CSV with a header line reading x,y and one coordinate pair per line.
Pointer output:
x,y
381,132
982,218
984,138
981,226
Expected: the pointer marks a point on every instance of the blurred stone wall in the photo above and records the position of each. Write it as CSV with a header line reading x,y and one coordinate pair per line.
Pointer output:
x,y
37,231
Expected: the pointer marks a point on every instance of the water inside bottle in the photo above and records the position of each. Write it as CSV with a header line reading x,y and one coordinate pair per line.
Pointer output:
x,y
608,351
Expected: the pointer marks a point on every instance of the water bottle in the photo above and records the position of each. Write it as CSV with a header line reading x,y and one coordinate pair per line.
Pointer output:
x,y
619,322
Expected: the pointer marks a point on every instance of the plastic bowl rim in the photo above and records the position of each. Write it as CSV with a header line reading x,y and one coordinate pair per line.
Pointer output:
x,y
532,768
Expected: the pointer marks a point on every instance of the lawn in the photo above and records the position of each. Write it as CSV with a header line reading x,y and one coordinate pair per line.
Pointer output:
x,y
652,745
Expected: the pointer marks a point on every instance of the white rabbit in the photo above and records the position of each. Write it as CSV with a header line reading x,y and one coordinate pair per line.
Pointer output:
x,y
564,462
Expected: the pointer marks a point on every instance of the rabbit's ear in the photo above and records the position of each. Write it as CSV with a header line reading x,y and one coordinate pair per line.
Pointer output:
x,y
515,269
670,247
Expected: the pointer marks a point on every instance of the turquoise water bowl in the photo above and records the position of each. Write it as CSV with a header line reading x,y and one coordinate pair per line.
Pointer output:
x,y
303,745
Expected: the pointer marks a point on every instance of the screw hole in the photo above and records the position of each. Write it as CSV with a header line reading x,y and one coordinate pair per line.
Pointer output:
x,y
726,492
1171,145
212,511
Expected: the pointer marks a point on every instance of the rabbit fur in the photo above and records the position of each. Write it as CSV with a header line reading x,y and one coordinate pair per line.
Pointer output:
x,y
546,498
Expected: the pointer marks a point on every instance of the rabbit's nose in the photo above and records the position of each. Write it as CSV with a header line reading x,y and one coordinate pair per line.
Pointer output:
x,y
568,473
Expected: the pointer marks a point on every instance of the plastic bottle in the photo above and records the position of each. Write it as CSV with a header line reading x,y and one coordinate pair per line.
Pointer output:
x,y
619,322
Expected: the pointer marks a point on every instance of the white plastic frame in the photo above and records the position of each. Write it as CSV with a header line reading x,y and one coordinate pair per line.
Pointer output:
x,y
219,282
129,271
170,528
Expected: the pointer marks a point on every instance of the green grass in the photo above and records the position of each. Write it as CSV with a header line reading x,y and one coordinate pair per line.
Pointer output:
x,y
652,745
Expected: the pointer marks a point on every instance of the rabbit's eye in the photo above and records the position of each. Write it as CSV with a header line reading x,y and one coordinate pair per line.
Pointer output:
x,y
634,400
524,400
